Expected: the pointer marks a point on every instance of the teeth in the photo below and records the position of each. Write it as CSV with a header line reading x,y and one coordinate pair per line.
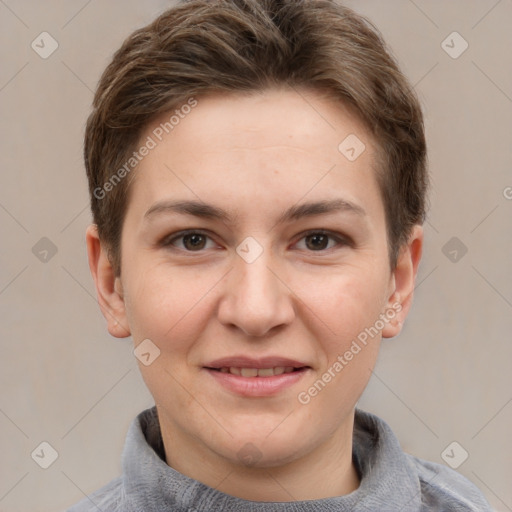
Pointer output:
x,y
249,372
266,372
257,372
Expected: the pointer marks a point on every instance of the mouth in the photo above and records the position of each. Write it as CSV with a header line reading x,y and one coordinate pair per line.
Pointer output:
x,y
258,372
256,377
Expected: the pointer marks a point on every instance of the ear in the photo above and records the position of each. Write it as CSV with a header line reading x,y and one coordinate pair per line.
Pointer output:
x,y
108,287
402,281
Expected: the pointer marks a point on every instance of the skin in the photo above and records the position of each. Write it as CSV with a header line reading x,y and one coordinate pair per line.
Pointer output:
x,y
255,156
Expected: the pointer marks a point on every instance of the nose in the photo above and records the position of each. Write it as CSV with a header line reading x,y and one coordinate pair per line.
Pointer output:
x,y
256,298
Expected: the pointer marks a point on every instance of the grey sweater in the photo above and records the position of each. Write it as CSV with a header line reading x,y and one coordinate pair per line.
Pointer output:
x,y
391,480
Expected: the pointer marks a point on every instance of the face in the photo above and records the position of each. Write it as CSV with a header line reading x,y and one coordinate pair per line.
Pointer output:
x,y
253,246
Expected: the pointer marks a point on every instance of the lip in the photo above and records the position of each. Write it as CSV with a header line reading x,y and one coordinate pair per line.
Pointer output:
x,y
249,362
256,386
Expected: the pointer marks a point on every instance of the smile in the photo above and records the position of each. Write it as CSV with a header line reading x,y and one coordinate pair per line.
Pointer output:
x,y
256,382
256,372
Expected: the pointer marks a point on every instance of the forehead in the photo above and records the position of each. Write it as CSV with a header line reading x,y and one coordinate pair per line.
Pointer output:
x,y
272,146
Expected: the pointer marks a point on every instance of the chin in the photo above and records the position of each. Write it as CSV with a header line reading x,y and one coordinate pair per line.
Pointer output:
x,y
262,450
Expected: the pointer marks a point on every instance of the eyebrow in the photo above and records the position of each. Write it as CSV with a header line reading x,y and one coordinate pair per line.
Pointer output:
x,y
295,212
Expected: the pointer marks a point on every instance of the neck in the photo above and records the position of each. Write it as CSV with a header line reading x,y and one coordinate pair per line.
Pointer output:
x,y
326,471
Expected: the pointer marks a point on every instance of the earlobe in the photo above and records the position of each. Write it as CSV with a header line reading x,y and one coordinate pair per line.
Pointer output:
x,y
108,287
402,282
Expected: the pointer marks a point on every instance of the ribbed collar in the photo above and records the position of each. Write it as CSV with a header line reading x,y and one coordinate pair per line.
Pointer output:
x,y
153,486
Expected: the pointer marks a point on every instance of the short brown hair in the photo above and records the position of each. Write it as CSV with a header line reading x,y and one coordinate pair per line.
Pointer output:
x,y
204,46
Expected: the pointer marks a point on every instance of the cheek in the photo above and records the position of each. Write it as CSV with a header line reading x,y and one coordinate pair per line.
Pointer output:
x,y
348,306
168,306
349,348
345,303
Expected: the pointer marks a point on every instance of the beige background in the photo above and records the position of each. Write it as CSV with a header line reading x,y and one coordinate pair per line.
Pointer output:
x,y
65,381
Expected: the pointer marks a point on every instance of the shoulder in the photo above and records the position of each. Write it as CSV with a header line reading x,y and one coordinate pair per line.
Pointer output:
x,y
417,484
108,499
445,489
138,463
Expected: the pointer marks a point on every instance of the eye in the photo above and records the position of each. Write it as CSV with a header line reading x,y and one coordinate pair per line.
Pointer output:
x,y
196,241
191,241
320,241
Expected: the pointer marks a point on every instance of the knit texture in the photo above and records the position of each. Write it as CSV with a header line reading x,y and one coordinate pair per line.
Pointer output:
x,y
391,480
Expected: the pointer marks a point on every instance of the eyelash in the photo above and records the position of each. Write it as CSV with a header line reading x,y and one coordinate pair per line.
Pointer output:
x,y
169,240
